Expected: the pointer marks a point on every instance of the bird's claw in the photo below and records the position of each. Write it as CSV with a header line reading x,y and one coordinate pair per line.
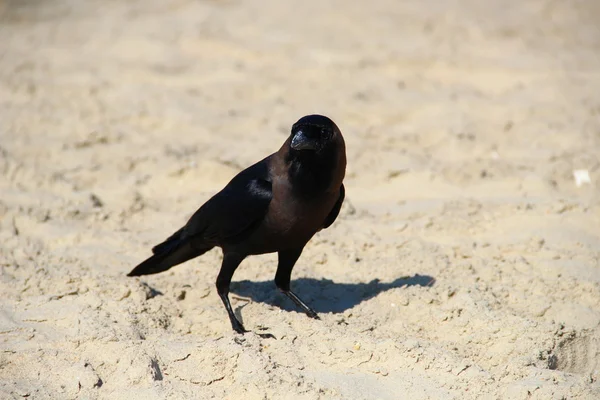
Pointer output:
x,y
313,314
239,328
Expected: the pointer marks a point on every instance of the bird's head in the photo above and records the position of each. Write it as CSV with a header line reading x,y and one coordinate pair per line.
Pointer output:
x,y
316,155
313,133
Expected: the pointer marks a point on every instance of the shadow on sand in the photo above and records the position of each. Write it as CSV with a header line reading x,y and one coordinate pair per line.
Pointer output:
x,y
323,295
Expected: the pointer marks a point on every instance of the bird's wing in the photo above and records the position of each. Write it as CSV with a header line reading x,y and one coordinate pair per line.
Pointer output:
x,y
336,208
235,210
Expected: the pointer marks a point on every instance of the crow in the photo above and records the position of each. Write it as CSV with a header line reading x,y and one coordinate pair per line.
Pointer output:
x,y
275,205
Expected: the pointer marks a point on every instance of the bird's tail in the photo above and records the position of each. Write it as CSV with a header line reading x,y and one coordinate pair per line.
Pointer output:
x,y
170,253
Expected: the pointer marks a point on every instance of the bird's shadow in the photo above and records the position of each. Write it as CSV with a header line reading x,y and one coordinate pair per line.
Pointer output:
x,y
323,295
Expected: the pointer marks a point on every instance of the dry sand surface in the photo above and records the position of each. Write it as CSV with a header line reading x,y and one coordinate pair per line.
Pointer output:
x,y
464,264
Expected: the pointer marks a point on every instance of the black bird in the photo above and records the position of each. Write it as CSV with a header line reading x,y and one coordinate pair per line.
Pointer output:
x,y
276,205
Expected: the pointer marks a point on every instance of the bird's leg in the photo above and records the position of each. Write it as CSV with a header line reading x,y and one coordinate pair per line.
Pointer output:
x,y
287,259
230,262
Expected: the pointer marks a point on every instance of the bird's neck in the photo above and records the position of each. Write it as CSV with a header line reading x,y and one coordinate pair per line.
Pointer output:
x,y
312,174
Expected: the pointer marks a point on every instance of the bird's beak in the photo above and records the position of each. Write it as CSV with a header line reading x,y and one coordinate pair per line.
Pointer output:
x,y
301,142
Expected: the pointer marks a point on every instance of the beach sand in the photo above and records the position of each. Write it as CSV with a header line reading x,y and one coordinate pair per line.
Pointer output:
x,y
464,263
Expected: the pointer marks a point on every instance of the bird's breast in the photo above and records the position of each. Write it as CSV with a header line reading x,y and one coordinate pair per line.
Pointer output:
x,y
291,221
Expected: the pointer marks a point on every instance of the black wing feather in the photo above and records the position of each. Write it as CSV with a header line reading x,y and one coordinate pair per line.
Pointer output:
x,y
229,214
336,209
227,217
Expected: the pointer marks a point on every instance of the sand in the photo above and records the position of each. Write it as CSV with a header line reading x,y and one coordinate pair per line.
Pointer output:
x,y
464,264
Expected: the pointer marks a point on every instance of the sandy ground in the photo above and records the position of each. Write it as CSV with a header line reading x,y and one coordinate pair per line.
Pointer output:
x,y
464,265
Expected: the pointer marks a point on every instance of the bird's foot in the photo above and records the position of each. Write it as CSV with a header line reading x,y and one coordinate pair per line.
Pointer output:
x,y
309,311
238,327
312,314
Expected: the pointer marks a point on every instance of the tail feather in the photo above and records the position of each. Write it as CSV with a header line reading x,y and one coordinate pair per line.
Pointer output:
x,y
169,244
166,255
